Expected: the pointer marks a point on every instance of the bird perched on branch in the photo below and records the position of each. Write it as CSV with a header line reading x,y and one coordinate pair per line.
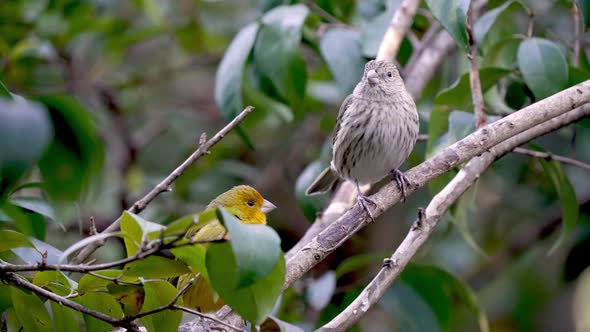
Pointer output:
x,y
246,204
375,132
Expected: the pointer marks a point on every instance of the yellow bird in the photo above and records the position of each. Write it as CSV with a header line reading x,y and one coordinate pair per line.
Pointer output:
x,y
246,204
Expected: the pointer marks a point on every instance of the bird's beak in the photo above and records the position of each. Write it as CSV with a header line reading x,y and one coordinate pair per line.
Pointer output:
x,y
372,77
267,207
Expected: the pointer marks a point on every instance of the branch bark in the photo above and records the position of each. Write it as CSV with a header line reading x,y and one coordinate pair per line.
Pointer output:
x,y
163,186
474,81
438,206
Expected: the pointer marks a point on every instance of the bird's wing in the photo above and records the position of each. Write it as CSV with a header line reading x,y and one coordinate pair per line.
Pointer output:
x,y
343,108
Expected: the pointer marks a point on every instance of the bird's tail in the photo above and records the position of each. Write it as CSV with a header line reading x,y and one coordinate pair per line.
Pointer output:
x,y
324,182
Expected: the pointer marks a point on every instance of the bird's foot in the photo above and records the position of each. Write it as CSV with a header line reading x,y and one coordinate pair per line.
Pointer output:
x,y
364,202
402,182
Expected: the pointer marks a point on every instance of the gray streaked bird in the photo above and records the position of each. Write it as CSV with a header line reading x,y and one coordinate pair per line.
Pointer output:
x,y
375,132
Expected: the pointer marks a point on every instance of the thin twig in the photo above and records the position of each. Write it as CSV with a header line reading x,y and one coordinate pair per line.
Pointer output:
x,y
321,12
474,82
549,156
401,21
116,280
531,24
200,314
576,19
15,279
165,185
84,268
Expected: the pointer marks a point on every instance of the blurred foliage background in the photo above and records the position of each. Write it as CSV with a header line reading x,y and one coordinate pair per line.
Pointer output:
x,y
131,85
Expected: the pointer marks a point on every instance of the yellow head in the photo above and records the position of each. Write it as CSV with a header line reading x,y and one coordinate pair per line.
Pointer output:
x,y
245,203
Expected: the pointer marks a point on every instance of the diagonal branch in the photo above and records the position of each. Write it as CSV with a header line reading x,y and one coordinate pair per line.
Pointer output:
x,y
469,147
164,186
437,208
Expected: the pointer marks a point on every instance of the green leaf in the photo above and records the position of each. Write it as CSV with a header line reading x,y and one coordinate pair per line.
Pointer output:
x,y
159,293
5,297
543,66
341,48
290,19
30,311
485,22
228,79
373,31
55,281
273,324
464,209
101,302
502,54
28,223
266,5
193,256
35,204
409,309
276,51
265,104
253,302
12,239
445,294
25,133
458,95
35,254
155,267
310,205
181,225
577,75
256,248
4,93
13,323
452,14
91,283
64,318
136,230
130,296
567,199
76,154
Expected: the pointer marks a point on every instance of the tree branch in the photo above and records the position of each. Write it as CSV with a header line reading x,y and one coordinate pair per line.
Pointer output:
x,y
163,186
474,81
83,268
576,19
549,155
469,147
438,206
401,21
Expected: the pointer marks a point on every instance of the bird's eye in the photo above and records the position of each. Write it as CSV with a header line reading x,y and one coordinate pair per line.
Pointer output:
x,y
251,203
389,74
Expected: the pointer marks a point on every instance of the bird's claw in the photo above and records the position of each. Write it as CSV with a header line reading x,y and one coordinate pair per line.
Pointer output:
x,y
388,263
402,182
363,202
